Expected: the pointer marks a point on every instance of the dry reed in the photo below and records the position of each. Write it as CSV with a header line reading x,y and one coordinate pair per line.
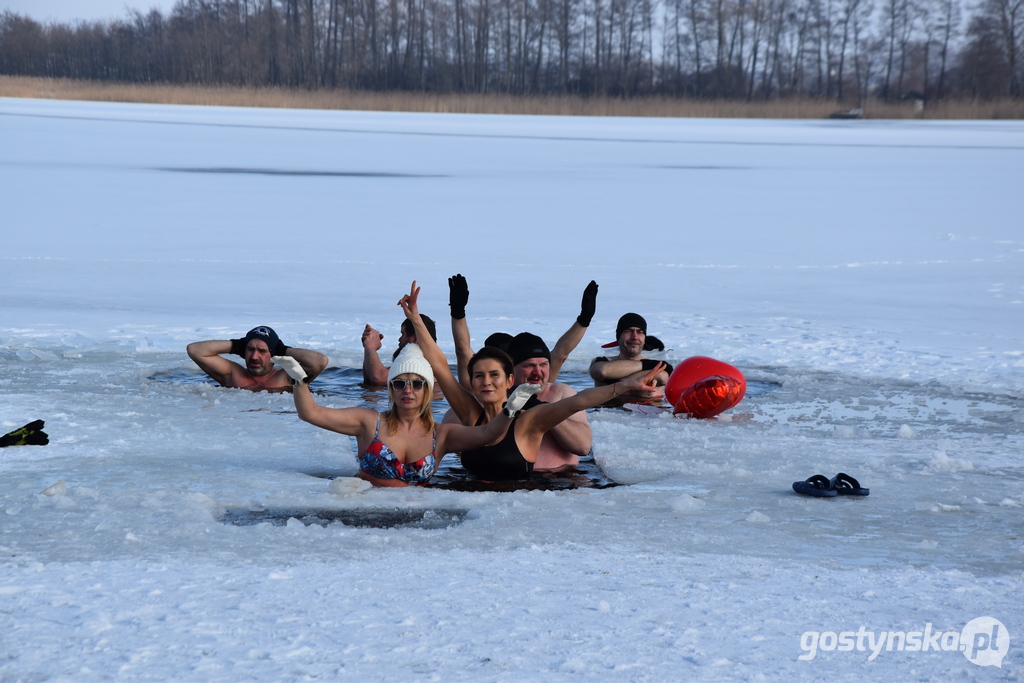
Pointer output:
x,y
555,105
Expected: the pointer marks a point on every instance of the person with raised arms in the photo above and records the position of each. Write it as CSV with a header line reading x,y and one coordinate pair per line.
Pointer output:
x,y
458,298
492,376
402,446
534,363
256,348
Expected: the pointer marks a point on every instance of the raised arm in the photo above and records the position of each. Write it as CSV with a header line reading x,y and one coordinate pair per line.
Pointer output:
x,y
374,372
207,355
463,351
574,335
458,297
459,398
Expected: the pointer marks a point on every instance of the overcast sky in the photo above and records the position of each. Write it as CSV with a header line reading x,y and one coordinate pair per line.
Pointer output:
x,y
69,11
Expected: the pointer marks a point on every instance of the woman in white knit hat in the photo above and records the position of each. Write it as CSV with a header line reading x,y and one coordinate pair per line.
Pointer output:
x,y
403,445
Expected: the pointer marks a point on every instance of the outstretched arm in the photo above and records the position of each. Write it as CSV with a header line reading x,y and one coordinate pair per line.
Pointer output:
x,y
460,437
351,421
544,417
455,438
374,372
574,335
573,434
459,398
206,355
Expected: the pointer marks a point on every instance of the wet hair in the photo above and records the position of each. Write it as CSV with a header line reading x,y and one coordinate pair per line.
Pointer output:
x,y
492,352
431,327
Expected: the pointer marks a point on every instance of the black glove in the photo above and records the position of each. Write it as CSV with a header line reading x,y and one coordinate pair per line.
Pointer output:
x,y
649,364
238,347
458,296
589,305
653,344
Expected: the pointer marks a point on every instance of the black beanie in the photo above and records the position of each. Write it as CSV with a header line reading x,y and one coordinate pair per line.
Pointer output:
x,y
631,320
266,334
525,345
499,340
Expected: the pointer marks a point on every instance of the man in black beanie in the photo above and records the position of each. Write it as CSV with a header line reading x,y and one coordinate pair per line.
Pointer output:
x,y
631,337
561,446
256,348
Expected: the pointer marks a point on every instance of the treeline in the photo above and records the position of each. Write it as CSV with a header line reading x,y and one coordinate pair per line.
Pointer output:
x,y
749,49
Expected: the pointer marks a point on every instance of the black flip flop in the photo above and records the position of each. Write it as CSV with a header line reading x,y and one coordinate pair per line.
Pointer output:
x,y
845,485
818,485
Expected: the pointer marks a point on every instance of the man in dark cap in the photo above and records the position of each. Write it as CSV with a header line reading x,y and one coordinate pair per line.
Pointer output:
x,y
561,447
374,372
256,347
632,340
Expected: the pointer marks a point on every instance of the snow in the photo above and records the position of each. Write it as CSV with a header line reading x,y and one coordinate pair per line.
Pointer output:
x,y
866,276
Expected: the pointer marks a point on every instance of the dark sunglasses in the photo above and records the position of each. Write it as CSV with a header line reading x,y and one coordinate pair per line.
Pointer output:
x,y
399,384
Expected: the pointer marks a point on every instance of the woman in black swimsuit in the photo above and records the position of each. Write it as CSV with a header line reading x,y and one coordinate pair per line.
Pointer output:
x,y
491,378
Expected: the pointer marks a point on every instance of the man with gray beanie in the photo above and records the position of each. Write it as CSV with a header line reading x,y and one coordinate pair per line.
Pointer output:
x,y
256,348
632,340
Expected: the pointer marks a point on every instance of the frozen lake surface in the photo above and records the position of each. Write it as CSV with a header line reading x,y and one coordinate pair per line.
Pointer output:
x,y
866,276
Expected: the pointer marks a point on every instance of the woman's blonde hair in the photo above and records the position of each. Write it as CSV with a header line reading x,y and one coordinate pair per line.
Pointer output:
x,y
426,411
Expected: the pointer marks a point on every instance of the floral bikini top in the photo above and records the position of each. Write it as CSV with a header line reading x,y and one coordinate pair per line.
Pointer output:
x,y
378,461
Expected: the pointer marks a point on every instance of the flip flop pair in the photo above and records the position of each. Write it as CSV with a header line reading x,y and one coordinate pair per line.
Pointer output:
x,y
840,485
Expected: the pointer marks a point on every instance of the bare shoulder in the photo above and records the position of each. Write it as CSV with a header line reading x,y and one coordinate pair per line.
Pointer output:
x,y
556,392
237,376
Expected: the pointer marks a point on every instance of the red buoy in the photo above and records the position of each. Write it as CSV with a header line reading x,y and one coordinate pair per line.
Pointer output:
x,y
704,387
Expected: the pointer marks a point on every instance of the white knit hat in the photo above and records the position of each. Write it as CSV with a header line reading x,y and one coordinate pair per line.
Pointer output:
x,y
411,360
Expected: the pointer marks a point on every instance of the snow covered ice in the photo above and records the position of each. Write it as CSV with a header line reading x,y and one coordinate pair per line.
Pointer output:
x,y
866,276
